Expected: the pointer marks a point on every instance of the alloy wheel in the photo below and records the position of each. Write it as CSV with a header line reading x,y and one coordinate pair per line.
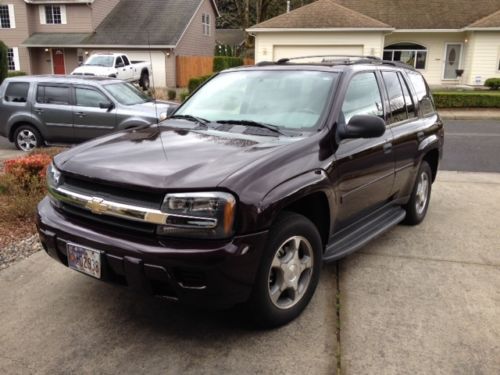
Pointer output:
x,y
422,193
26,140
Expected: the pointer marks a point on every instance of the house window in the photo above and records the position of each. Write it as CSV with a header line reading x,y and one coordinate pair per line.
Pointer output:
x,y
205,20
13,58
408,53
7,19
53,14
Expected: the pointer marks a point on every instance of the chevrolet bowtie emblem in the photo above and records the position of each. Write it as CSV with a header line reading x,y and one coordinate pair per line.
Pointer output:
x,y
97,206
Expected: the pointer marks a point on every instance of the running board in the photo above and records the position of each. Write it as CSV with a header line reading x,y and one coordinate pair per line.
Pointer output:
x,y
360,233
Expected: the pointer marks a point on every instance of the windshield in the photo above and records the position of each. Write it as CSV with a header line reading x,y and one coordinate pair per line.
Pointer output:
x,y
100,60
285,99
126,94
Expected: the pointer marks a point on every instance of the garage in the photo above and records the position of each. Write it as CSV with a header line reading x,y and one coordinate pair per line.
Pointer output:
x,y
289,51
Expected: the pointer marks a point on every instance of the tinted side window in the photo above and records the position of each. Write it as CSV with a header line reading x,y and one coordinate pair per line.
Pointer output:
x,y
396,98
410,106
17,92
424,97
125,60
118,61
89,98
52,94
362,97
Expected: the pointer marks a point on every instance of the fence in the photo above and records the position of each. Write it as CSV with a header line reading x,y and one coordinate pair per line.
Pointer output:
x,y
188,67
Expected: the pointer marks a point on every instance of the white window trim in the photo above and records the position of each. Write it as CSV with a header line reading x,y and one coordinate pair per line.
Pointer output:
x,y
12,16
206,24
43,16
15,53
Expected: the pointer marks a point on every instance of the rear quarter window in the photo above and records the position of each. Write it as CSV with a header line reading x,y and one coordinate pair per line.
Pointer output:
x,y
17,92
424,97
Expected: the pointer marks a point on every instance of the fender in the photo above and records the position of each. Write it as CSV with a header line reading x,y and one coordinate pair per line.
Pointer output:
x,y
428,143
24,117
292,190
132,122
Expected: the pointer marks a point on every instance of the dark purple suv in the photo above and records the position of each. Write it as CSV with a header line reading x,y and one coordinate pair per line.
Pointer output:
x,y
263,174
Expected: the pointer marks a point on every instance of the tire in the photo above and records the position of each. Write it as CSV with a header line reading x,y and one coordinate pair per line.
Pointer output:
x,y
27,138
416,208
287,277
144,81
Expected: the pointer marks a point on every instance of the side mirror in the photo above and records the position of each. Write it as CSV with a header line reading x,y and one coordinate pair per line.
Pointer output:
x,y
109,106
363,126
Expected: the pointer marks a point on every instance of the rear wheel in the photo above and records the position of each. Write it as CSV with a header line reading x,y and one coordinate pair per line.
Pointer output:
x,y
416,209
27,138
289,271
144,81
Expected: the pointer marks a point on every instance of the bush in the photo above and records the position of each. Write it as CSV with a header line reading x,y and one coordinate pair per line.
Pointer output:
x,y
172,94
196,82
27,168
4,65
16,73
226,62
493,83
184,95
467,99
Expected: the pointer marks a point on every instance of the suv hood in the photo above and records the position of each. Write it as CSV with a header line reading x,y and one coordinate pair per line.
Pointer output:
x,y
167,157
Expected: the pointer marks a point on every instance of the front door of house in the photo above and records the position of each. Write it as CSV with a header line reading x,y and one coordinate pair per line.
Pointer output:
x,y
452,60
58,61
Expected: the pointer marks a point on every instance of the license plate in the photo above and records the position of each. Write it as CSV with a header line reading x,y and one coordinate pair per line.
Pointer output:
x,y
84,259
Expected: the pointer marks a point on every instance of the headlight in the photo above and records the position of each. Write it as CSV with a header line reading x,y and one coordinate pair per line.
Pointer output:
x,y
199,215
163,116
53,177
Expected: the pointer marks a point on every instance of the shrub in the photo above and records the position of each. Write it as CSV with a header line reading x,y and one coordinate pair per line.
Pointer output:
x,y
24,170
184,95
16,73
194,83
172,94
467,99
226,62
4,65
493,83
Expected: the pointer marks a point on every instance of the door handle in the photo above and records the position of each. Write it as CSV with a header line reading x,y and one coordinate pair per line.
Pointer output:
x,y
80,114
38,110
388,148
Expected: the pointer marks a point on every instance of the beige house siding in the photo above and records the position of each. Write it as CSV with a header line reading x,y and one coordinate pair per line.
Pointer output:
x,y
41,61
14,37
194,42
372,42
486,56
435,44
100,9
78,16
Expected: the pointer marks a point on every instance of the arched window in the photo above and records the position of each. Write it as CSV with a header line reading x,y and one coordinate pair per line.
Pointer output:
x,y
409,53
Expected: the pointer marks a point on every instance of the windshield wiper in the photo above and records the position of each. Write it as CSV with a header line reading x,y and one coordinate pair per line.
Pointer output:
x,y
191,118
256,124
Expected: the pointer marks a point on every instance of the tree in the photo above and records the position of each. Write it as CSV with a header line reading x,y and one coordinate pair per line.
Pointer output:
x,y
4,65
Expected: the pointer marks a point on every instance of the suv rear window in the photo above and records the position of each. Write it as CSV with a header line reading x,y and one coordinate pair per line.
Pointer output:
x,y
53,94
424,97
17,92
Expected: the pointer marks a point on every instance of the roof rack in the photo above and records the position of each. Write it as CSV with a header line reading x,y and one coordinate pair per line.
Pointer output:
x,y
332,60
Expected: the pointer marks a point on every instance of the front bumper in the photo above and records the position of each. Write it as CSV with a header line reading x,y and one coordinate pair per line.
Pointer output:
x,y
199,272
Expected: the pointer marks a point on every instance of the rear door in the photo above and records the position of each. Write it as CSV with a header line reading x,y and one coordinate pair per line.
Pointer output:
x,y
365,167
93,115
54,107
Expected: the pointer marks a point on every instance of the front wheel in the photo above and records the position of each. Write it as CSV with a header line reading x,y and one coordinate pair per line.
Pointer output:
x,y
27,138
289,271
416,209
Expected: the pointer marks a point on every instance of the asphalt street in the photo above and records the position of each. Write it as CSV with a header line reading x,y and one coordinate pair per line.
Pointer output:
x,y
470,146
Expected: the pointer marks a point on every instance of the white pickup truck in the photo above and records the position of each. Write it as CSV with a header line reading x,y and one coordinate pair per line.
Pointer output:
x,y
116,65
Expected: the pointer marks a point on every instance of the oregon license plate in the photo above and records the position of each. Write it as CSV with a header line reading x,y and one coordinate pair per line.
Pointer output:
x,y
84,259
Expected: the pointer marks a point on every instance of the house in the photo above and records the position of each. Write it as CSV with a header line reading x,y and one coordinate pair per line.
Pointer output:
x,y
455,42
53,37
233,39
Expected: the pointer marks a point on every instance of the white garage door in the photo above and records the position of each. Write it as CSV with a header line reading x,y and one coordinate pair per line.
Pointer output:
x,y
281,52
157,59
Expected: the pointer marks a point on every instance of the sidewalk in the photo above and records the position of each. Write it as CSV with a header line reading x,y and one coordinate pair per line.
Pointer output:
x,y
426,299
470,114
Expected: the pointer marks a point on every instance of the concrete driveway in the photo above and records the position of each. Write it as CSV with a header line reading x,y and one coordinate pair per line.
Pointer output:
x,y
419,300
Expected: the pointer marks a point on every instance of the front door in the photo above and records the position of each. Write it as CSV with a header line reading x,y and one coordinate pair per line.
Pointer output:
x,y
90,117
452,60
58,61
365,167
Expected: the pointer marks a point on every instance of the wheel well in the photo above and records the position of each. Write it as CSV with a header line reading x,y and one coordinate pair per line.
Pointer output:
x,y
432,158
17,125
144,72
316,208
